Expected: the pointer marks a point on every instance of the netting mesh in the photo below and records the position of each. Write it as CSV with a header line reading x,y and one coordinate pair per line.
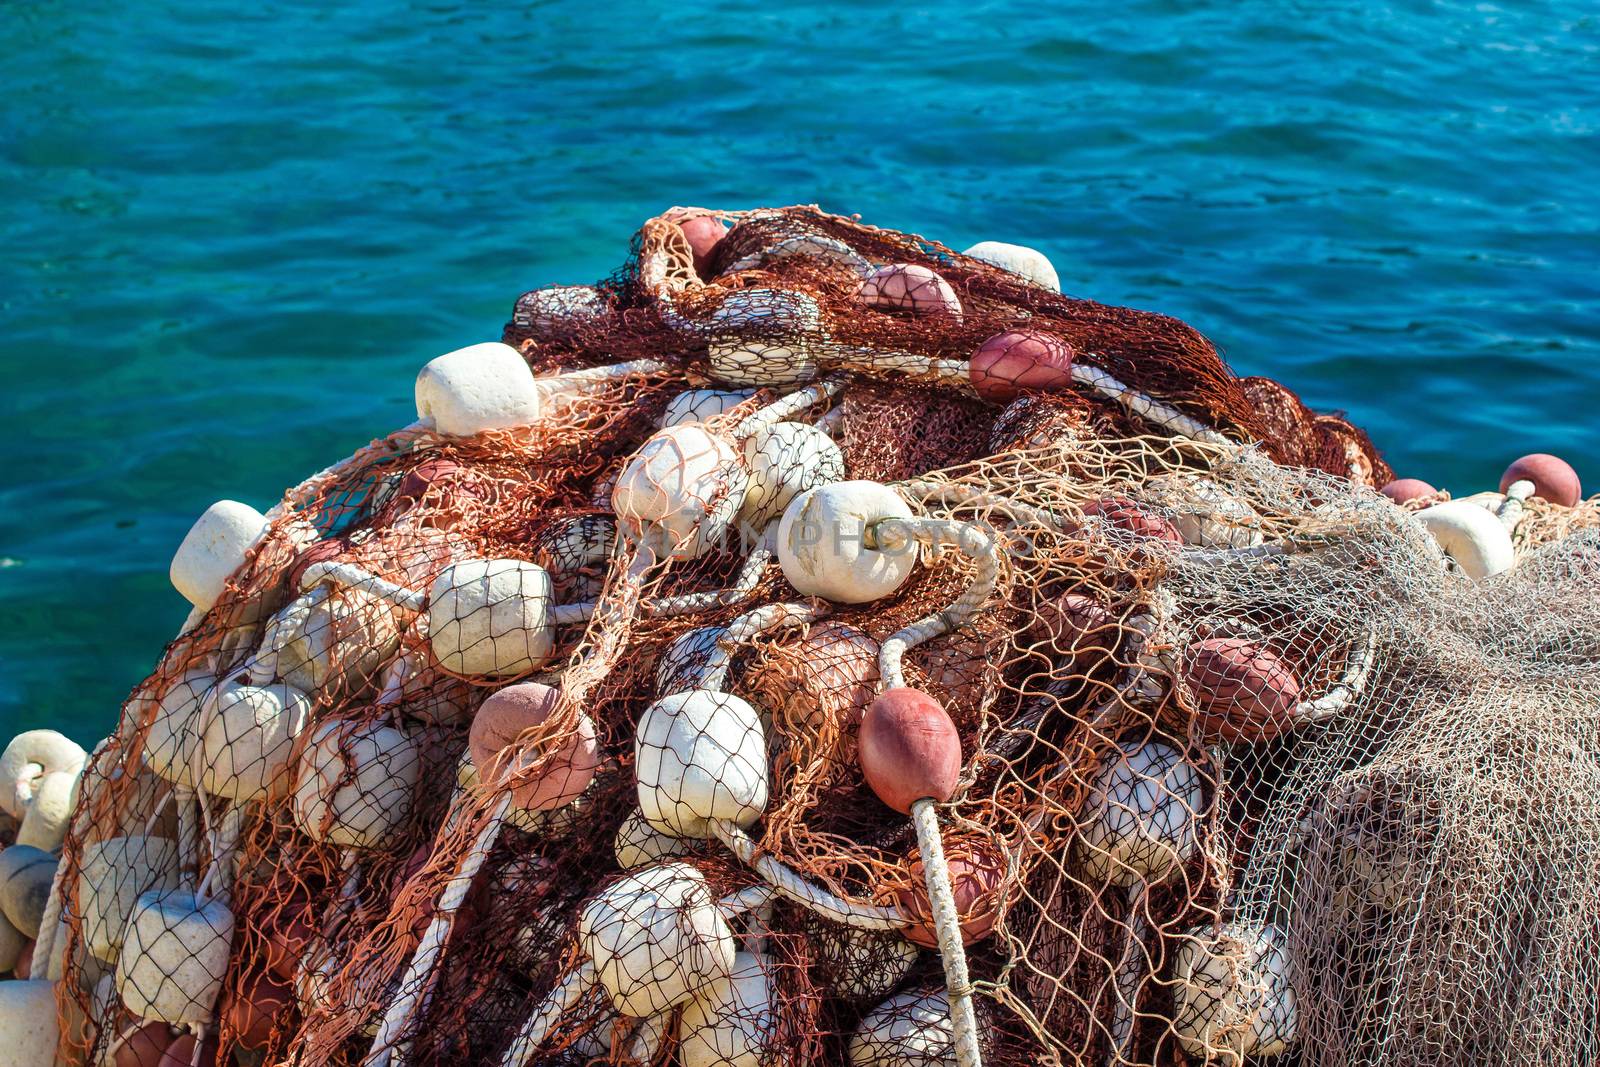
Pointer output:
x,y
864,625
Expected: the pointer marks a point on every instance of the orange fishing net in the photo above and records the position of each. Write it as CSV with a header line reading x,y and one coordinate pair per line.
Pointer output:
x,y
561,742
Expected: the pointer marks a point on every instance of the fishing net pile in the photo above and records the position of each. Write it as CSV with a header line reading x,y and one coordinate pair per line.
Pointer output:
x,y
812,645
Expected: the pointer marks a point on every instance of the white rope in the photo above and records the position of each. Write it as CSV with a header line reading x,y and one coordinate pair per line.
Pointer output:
x,y
539,1024
924,490
352,577
1130,976
1347,690
752,624
418,975
1511,511
797,889
937,534
787,407
1146,407
947,925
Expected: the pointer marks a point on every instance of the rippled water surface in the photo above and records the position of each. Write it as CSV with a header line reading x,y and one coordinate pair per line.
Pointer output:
x,y
227,241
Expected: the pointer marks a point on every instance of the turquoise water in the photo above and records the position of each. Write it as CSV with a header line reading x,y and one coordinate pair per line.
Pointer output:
x,y
228,239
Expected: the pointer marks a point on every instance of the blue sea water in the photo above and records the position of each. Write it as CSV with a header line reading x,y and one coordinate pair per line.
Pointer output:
x,y
228,237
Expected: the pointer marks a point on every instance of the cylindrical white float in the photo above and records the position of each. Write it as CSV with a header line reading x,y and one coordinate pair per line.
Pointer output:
x,y
248,739
761,337
490,617
174,956
1233,997
656,937
1473,537
481,387
28,1029
910,1029
700,756
733,1021
26,874
784,461
680,492
1029,263
698,405
112,875
215,546
356,783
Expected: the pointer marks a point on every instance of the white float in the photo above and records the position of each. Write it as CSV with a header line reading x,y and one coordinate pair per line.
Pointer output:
x,y
826,548
679,667
248,738
784,461
485,618
173,738
27,759
1030,263
856,964
1475,538
758,337
12,942
356,784
1204,513
215,546
698,405
481,387
112,875
733,1021
700,756
911,1029
656,937
814,245
561,310
28,1027
1143,811
638,844
573,546
26,875
680,492
1233,997
54,797
332,640
490,617
174,956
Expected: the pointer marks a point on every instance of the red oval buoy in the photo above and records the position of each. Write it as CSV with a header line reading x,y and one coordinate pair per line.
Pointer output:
x,y
1010,362
704,233
1552,477
257,1009
1242,691
142,1044
910,288
502,718
976,877
909,748
1405,490
181,1053
1128,516
1077,630
446,485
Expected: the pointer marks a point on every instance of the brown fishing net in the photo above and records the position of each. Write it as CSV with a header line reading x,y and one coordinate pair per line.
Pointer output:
x,y
588,739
